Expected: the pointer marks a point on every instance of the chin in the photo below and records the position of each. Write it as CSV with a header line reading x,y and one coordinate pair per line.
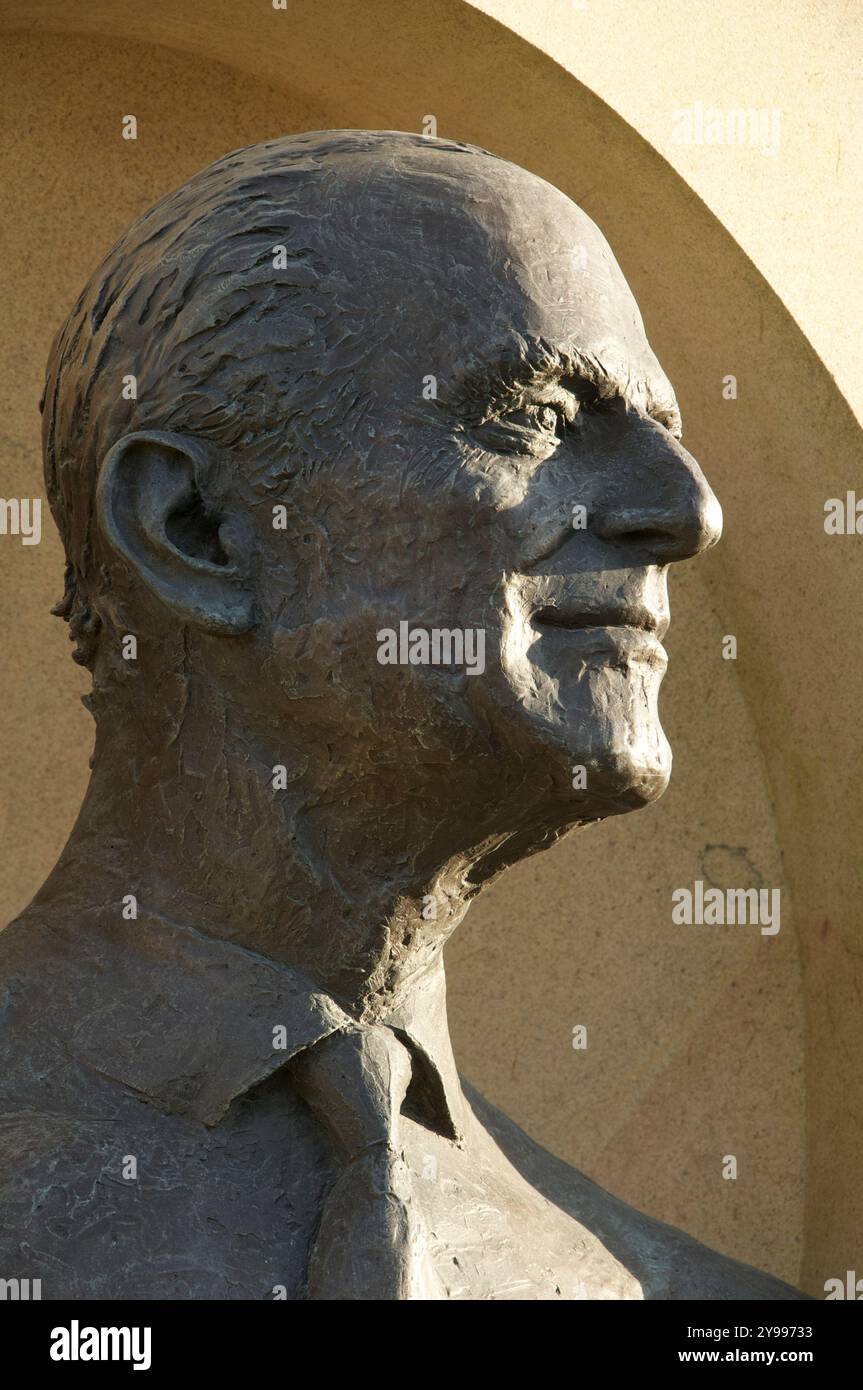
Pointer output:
x,y
629,779
603,766
601,718
619,779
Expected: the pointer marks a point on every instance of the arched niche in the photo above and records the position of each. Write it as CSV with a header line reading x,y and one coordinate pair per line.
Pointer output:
x,y
699,1045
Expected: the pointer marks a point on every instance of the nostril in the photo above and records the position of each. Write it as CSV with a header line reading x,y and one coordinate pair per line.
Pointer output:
x,y
638,527
647,535
667,533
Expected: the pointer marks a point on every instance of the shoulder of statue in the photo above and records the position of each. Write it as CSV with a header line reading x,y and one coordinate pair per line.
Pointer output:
x,y
668,1263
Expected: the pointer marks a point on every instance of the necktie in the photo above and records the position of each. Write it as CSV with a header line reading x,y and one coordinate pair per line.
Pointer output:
x,y
372,1243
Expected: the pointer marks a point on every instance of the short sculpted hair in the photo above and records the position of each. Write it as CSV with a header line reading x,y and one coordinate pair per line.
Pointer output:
x,y
165,307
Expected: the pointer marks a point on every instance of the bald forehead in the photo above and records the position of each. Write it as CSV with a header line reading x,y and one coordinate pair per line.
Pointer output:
x,y
469,206
476,255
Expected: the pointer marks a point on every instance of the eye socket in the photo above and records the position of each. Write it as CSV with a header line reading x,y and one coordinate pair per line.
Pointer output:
x,y
547,417
535,428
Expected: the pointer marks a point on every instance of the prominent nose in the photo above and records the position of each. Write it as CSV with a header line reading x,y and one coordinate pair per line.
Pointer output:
x,y
667,507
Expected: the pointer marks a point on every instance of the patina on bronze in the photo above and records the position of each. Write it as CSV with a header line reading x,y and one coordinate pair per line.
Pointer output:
x,y
335,384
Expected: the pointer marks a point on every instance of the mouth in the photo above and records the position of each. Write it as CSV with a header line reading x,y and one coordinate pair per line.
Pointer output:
x,y
634,616
631,632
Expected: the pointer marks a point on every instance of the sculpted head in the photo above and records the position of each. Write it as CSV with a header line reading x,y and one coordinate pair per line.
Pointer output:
x,y
342,382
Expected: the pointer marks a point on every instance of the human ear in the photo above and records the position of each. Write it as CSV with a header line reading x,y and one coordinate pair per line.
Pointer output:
x,y
153,508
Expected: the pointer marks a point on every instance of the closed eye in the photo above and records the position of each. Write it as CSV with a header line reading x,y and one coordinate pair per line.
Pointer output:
x,y
548,418
531,426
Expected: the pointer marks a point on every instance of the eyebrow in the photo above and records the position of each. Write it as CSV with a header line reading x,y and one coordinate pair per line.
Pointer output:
x,y
530,362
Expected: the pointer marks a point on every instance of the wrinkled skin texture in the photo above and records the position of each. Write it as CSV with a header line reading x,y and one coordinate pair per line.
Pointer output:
x,y
301,387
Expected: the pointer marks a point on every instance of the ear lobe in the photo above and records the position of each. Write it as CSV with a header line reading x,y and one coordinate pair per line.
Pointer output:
x,y
152,508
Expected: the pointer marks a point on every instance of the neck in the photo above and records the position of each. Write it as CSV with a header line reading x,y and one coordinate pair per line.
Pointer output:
x,y
329,862
195,831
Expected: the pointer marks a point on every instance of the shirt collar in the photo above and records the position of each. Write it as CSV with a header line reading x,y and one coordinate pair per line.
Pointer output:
x,y
190,1022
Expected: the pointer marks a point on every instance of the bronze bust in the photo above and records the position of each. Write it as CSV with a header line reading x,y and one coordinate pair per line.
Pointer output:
x,y
368,482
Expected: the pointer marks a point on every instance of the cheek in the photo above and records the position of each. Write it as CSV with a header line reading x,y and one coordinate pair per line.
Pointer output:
x,y
489,514
352,559
531,506
322,680
491,484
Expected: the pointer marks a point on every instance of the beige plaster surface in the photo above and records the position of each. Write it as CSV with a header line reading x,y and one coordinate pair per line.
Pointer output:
x,y
702,1042
793,210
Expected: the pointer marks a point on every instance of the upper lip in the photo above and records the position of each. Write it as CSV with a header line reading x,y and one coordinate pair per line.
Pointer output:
x,y
633,614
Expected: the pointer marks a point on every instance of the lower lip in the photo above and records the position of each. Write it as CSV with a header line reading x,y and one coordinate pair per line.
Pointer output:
x,y
635,643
